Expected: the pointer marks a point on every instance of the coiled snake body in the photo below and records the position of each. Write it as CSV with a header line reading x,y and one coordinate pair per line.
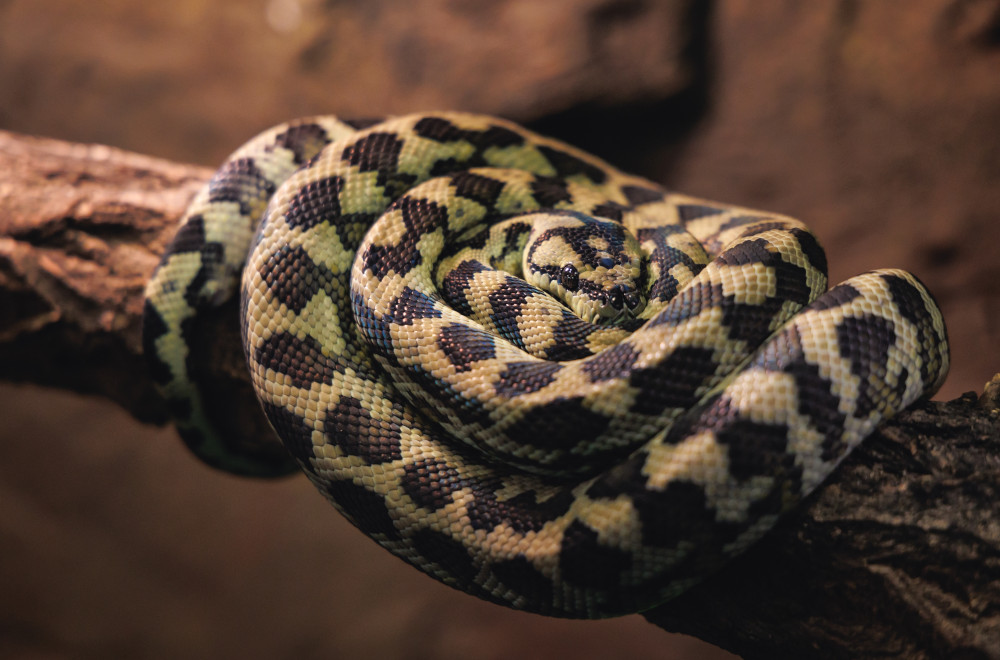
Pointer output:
x,y
405,309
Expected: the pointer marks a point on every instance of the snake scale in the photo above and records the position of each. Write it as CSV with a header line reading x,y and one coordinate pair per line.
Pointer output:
x,y
540,380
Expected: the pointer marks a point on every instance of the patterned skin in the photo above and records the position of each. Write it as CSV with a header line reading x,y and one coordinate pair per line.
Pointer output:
x,y
405,307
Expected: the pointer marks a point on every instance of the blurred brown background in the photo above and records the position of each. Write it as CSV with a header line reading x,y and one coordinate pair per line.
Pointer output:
x,y
877,123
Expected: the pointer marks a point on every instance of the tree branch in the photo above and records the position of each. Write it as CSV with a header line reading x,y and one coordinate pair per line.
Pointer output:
x,y
898,555
81,227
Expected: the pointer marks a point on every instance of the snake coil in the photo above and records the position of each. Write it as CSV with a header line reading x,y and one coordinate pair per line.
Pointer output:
x,y
402,330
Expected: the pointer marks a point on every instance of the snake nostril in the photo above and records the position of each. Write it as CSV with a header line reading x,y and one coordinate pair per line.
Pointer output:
x,y
615,297
606,262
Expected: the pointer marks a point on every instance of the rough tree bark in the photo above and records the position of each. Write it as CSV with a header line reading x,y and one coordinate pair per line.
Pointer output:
x,y
898,555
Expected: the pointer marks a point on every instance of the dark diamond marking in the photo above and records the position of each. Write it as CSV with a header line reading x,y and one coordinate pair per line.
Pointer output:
x,y
479,188
865,343
240,181
294,278
637,195
522,513
464,346
665,257
755,448
689,212
154,327
190,237
567,165
675,382
411,305
913,308
780,351
447,553
367,510
439,130
295,434
525,377
520,575
361,123
211,267
570,335
430,483
302,360
303,140
507,300
501,137
351,427
449,165
549,192
609,210
838,296
316,202
457,281
821,405
585,561
811,248
614,362
560,424
748,252
420,216
374,152
374,327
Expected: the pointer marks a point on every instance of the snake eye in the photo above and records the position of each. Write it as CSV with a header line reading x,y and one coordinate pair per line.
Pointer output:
x,y
570,277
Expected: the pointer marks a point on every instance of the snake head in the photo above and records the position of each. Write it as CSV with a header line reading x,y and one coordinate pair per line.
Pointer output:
x,y
591,264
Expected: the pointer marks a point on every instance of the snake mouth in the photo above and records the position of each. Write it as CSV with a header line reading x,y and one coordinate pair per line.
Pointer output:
x,y
613,306
621,317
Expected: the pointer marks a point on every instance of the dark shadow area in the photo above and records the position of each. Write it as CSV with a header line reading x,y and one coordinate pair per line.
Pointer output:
x,y
646,137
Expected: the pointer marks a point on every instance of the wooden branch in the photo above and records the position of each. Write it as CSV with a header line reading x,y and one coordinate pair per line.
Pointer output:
x,y
898,555
81,228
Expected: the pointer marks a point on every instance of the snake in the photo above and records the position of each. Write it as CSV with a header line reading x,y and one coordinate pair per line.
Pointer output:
x,y
540,380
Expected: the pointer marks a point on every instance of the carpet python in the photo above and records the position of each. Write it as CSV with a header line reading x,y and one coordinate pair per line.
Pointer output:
x,y
540,380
